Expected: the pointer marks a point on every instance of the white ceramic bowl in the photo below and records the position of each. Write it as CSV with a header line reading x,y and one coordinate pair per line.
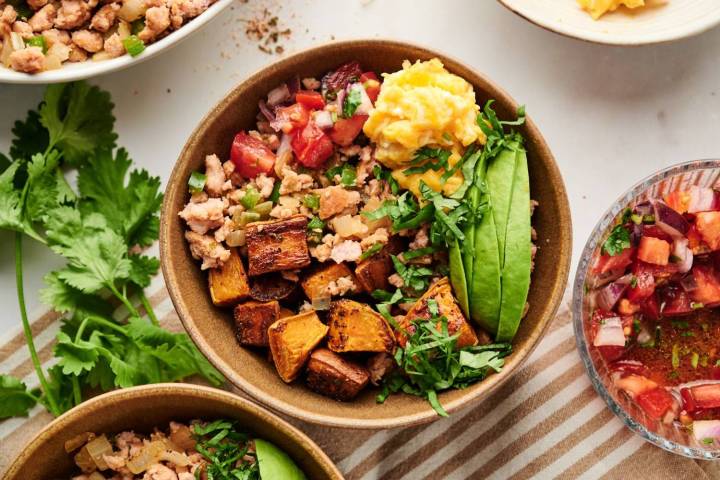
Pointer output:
x,y
79,71
664,23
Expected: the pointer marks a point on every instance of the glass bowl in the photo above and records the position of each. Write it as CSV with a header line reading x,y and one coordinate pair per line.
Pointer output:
x,y
703,173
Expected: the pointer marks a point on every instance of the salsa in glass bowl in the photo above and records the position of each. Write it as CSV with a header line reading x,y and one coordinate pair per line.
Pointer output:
x,y
646,308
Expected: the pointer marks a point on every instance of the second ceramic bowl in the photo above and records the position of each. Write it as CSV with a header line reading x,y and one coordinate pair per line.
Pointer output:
x,y
212,328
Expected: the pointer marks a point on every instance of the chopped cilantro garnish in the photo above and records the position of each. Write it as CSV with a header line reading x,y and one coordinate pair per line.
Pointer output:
x,y
312,201
227,451
382,174
696,305
275,195
348,175
371,251
420,252
633,281
352,101
428,158
618,241
413,277
708,441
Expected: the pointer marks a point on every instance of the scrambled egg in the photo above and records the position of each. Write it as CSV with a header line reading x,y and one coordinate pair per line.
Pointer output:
x,y
423,105
598,8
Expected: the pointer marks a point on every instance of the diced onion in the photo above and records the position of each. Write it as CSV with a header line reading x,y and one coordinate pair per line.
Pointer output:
x,y
97,448
78,441
670,221
706,429
702,199
283,156
366,105
610,333
148,454
684,255
278,95
131,10
323,119
610,294
235,238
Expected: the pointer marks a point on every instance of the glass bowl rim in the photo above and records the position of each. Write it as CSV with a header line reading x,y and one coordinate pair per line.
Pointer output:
x,y
598,233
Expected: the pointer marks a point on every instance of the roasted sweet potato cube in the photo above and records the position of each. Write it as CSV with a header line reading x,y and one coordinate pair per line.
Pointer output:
x,y
291,341
277,245
355,327
229,283
286,312
316,283
334,376
272,286
252,320
372,273
447,307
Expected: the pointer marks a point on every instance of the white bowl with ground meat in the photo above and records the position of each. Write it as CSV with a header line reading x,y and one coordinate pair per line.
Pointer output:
x,y
52,41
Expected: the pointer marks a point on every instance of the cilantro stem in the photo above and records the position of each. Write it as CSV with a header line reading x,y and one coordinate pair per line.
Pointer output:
x,y
77,394
132,310
26,326
148,308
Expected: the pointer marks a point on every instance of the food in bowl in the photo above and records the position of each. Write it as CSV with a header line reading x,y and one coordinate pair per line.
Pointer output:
x,y
353,235
39,35
598,8
653,291
214,450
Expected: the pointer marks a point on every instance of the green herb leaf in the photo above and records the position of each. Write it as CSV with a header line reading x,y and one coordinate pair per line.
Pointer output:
x,y
15,399
196,182
79,120
618,241
133,45
352,101
312,201
371,251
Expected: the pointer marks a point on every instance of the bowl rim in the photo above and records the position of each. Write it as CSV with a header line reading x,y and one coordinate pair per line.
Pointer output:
x,y
185,390
598,233
90,68
492,382
603,39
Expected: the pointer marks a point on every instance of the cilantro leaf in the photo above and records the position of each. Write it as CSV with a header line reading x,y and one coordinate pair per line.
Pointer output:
x,y
30,137
130,209
618,241
414,277
423,160
78,119
76,357
11,215
64,298
352,101
15,399
142,269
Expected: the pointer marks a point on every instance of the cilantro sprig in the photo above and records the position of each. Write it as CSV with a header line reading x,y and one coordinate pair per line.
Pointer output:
x,y
227,451
617,241
99,229
431,362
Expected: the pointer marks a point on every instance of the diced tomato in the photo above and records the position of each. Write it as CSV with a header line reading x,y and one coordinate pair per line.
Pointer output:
x,y
715,373
372,85
678,201
677,302
644,283
291,118
310,99
346,129
701,397
611,353
656,402
312,146
627,366
251,156
606,263
656,232
695,241
635,385
708,226
707,291
650,308
653,250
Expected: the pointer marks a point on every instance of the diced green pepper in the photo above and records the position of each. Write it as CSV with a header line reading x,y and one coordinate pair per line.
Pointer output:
x,y
196,182
37,41
263,208
251,198
312,201
133,45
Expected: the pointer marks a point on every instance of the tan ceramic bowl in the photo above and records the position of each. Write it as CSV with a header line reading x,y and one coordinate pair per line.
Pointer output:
x,y
212,328
143,408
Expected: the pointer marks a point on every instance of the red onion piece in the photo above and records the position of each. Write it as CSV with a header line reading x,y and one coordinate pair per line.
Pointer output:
x,y
644,208
610,295
702,199
670,221
688,283
610,333
266,111
684,254
597,281
278,95
366,105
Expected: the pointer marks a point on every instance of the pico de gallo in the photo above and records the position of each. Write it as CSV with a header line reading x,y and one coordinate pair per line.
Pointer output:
x,y
655,289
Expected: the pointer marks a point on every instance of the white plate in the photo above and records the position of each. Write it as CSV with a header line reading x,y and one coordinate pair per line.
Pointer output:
x,y
78,71
664,23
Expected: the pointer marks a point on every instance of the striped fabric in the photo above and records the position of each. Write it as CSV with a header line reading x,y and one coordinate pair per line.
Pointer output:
x,y
546,422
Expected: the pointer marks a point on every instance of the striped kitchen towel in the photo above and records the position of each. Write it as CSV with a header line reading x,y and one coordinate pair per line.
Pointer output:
x,y
545,422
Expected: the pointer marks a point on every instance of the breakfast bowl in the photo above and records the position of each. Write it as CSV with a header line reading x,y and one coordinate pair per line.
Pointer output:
x,y
213,328
645,327
143,410
654,21
102,64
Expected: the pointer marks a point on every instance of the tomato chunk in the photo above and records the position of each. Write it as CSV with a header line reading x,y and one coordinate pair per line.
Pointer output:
x,y
346,129
653,250
310,99
677,301
701,397
650,308
290,118
372,85
635,385
251,156
606,263
708,285
312,146
708,226
656,403
644,283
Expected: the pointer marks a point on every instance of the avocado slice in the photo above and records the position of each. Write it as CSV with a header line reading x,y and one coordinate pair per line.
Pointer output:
x,y
275,464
